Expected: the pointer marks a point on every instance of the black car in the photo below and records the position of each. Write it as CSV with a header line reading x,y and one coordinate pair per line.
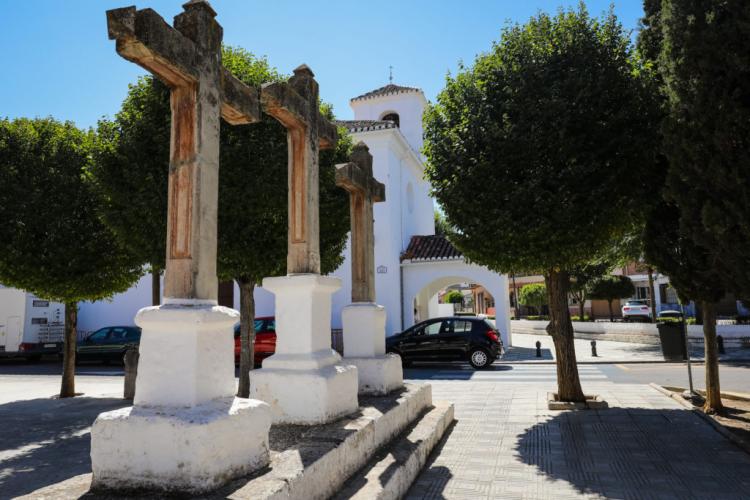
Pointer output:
x,y
108,343
475,340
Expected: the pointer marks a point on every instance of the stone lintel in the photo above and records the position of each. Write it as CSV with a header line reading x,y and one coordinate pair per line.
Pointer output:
x,y
354,179
145,39
240,104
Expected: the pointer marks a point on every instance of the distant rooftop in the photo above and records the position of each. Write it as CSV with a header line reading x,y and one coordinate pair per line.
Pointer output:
x,y
387,90
354,126
430,247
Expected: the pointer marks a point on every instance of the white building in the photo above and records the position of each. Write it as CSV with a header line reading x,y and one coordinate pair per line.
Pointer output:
x,y
412,264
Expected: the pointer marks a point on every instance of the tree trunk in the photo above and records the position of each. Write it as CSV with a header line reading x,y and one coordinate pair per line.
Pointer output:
x,y
560,329
581,310
68,385
611,313
247,334
713,389
652,293
155,287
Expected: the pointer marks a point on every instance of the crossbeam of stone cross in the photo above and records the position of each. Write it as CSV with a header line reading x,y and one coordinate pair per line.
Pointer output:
x,y
187,58
364,190
295,105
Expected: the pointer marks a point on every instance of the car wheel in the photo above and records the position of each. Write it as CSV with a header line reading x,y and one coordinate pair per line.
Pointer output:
x,y
479,359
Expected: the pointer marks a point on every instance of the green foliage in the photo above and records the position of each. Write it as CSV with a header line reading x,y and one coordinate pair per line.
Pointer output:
x,y
441,225
253,189
551,136
131,171
52,242
705,65
533,295
611,287
453,297
131,175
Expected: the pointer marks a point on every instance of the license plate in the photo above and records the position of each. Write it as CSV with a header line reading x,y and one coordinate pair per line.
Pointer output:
x,y
50,345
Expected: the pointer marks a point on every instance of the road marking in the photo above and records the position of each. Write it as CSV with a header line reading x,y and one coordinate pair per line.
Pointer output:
x,y
623,367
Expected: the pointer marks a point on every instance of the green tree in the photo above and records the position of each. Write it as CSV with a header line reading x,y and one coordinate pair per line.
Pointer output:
x,y
453,297
609,288
131,171
533,295
692,273
558,114
581,277
441,225
703,57
52,242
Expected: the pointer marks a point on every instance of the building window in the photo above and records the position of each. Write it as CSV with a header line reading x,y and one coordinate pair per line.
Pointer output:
x,y
393,117
38,321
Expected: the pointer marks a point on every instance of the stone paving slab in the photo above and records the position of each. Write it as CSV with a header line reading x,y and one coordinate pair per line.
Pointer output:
x,y
507,444
523,350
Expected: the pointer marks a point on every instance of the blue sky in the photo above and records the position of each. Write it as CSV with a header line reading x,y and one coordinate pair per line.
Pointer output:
x,y
56,59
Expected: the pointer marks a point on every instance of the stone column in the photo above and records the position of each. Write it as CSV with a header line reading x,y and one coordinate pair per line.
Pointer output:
x,y
185,431
304,381
364,321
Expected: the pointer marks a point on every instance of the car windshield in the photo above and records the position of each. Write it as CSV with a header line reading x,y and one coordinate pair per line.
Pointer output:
x,y
489,323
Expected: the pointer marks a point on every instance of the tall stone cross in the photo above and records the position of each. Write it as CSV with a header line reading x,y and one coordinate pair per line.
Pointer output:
x,y
187,58
295,105
364,190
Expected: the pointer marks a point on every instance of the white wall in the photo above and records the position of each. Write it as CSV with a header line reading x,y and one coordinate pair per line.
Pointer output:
x,y
429,277
409,106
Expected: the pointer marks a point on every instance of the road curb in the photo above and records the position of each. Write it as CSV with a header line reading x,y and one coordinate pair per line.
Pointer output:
x,y
736,440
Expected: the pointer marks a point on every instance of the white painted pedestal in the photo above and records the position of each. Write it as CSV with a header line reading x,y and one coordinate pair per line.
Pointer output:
x,y
305,381
186,431
364,347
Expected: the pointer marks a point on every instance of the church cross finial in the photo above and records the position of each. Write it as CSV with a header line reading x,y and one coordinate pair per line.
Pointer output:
x,y
390,74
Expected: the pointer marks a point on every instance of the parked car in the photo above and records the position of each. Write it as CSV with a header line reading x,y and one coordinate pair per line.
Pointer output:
x,y
475,340
265,340
636,310
108,344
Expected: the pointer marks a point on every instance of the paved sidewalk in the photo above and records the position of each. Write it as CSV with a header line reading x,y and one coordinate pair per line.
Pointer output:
x,y
507,445
524,350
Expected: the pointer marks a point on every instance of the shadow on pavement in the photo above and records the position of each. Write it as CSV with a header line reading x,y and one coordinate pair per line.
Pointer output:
x,y
431,481
637,453
444,371
45,441
515,353
51,366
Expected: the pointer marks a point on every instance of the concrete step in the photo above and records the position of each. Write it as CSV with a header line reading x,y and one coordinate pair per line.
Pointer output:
x,y
395,467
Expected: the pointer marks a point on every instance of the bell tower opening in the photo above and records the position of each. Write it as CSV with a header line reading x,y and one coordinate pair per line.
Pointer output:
x,y
393,117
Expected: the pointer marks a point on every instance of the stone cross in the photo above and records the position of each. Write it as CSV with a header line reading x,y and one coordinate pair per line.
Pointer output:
x,y
295,105
364,190
187,58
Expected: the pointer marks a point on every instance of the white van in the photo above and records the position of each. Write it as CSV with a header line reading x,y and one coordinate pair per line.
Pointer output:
x,y
29,326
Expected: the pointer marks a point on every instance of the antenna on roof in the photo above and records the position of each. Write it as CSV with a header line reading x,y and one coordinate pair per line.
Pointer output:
x,y
390,74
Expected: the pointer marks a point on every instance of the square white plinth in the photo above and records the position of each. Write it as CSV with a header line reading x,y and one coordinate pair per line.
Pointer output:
x,y
313,396
364,330
378,375
179,449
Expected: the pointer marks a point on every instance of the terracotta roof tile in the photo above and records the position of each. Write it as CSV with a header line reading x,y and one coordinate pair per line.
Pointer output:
x,y
387,90
430,247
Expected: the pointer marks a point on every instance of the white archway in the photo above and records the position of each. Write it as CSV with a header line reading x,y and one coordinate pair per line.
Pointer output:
x,y
422,280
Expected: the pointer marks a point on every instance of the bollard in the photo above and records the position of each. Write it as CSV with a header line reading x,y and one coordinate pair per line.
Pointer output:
x,y
538,349
131,371
593,349
720,341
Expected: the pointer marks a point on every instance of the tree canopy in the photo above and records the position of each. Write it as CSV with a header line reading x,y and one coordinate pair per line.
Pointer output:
x,y
533,295
52,241
551,134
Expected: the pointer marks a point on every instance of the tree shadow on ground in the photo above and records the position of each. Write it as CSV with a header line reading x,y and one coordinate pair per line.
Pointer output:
x,y
45,441
433,478
635,453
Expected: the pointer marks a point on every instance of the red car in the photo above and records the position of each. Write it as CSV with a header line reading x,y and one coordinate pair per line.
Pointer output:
x,y
265,339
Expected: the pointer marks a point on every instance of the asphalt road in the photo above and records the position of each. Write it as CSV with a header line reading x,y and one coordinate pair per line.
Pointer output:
x,y
22,380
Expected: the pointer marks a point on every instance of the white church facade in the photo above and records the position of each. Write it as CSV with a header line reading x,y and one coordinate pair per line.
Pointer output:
x,y
412,264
